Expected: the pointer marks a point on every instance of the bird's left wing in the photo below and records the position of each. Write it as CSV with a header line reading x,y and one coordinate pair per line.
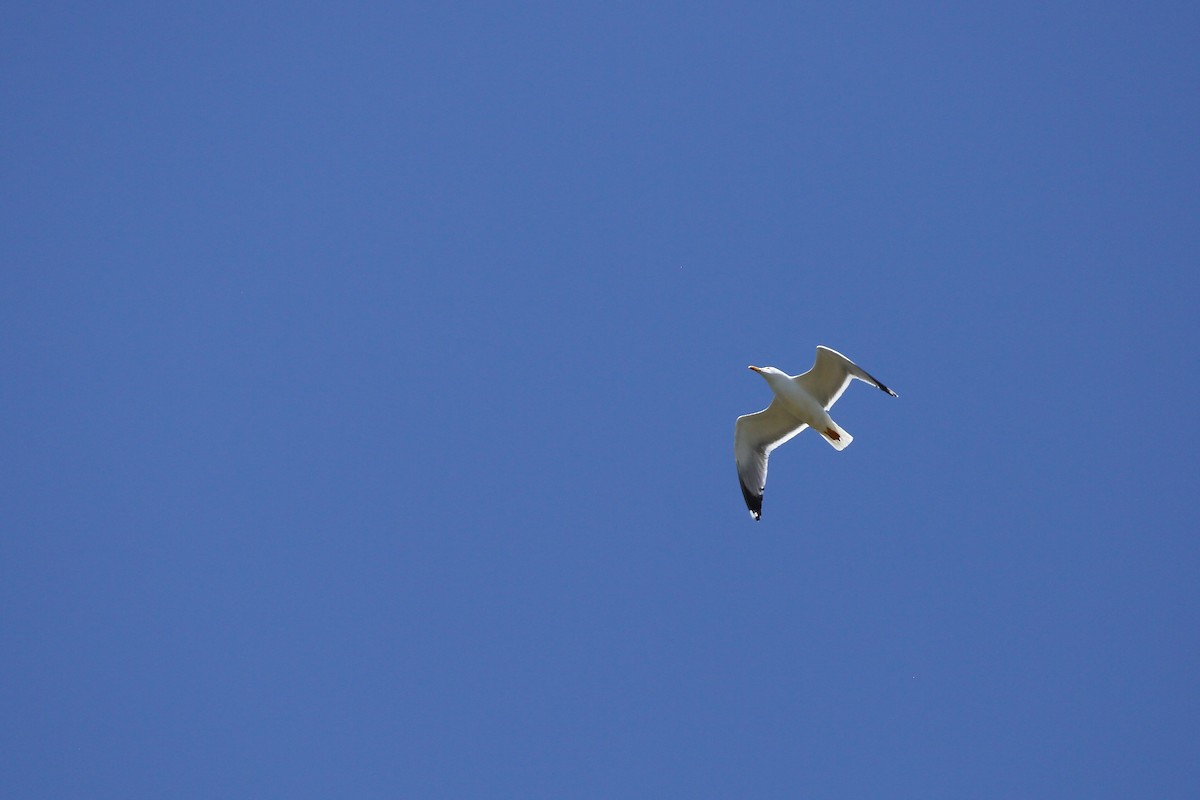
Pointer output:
x,y
831,374
754,437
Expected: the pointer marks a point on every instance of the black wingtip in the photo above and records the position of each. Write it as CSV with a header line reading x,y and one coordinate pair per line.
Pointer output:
x,y
753,500
873,380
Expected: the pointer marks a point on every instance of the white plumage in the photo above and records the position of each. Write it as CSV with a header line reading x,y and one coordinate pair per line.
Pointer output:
x,y
800,401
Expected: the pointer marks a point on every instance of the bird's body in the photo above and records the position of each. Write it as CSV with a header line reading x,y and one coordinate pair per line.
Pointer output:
x,y
800,401
797,402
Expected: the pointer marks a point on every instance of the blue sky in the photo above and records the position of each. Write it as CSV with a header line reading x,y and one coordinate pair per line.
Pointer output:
x,y
371,373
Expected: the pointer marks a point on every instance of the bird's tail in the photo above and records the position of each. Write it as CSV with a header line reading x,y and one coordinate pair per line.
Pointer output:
x,y
837,436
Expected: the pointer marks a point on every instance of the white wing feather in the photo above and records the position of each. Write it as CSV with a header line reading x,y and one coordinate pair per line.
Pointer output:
x,y
754,437
831,374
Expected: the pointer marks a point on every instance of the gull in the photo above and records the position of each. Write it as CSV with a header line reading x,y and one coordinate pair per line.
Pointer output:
x,y
800,401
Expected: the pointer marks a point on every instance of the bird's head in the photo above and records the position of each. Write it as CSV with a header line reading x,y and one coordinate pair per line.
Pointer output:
x,y
766,372
773,376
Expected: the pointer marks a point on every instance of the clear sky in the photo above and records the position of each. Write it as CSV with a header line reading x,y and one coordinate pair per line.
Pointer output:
x,y
370,373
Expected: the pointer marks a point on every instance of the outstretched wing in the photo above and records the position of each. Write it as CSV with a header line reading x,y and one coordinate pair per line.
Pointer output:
x,y
831,374
754,437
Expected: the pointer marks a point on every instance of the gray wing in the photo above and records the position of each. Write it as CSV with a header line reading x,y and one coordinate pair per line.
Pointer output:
x,y
831,374
754,437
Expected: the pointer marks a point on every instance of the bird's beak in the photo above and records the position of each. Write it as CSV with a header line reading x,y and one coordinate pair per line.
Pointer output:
x,y
756,369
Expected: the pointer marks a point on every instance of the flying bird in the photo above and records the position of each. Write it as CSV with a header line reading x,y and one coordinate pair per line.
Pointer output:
x,y
800,401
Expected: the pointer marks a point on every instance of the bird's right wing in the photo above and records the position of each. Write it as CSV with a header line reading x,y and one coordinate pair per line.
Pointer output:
x,y
831,374
754,437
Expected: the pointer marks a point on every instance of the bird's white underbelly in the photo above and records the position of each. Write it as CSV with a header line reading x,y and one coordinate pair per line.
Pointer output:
x,y
803,407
